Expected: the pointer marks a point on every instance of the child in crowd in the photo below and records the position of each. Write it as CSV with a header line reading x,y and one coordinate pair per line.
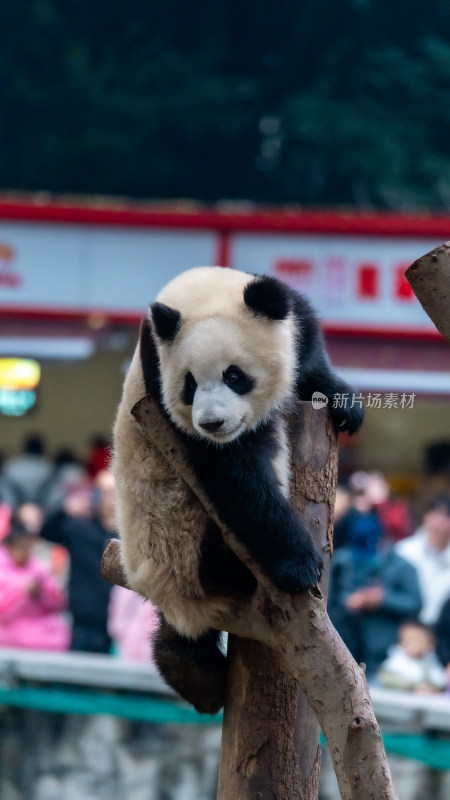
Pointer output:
x,y
54,556
31,600
412,664
131,623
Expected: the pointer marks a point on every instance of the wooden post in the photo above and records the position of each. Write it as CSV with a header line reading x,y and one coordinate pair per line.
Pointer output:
x,y
270,740
300,648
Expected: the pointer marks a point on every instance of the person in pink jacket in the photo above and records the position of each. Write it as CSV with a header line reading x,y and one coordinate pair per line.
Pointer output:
x,y
31,600
131,623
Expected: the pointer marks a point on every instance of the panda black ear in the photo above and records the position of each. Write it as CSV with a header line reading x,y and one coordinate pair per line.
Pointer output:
x,y
167,321
268,297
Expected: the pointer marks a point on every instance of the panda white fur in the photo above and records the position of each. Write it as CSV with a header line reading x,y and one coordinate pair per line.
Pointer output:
x,y
223,353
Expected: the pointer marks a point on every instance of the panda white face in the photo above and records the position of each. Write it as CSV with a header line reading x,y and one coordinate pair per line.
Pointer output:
x,y
224,368
212,384
220,409
220,379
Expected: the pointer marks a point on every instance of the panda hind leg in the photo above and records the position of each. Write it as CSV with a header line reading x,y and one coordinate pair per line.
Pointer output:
x,y
195,668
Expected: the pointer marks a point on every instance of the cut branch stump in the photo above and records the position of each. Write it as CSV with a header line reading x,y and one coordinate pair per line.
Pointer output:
x,y
429,277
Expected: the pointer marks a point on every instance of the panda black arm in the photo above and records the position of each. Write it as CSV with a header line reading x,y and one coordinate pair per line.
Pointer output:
x,y
316,373
149,361
240,482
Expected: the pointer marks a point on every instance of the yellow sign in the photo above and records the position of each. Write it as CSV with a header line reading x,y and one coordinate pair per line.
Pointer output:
x,y
19,373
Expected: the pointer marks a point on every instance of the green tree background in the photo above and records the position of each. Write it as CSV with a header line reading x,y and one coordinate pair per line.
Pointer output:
x,y
320,102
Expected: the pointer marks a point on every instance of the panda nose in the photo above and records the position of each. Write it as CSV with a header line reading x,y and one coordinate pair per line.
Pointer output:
x,y
213,426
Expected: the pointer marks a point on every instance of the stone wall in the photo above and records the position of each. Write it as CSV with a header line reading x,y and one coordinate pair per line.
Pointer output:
x,y
57,756
68,757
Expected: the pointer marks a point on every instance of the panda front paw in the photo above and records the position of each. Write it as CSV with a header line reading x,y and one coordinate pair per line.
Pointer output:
x,y
297,576
346,408
347,419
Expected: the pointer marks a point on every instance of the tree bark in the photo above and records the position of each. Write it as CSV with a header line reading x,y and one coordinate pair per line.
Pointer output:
x,y
308,653
429,277
270,739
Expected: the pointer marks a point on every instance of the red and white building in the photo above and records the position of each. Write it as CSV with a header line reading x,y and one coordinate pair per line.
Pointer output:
x,y
74,276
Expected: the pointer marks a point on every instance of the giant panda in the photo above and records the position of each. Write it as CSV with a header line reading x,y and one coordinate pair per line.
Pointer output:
x,y
224,353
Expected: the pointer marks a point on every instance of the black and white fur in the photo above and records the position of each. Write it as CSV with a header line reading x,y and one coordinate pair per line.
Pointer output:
x,y
223,353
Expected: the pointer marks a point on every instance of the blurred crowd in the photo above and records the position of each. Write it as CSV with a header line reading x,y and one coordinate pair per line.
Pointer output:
x,y
56,518
389,591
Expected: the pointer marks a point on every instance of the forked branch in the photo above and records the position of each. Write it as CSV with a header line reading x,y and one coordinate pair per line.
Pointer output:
x,y
299,630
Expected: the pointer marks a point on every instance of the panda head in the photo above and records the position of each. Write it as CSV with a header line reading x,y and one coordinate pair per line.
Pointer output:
x,y
227,345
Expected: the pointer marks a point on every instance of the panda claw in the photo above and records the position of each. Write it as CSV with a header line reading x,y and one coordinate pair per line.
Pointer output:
x,y
295,577
347,420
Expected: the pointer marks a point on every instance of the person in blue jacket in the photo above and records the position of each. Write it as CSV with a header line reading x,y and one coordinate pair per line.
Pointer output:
x,y
371,595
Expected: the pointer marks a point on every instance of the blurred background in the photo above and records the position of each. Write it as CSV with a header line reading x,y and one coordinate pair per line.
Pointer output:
x,y
309,141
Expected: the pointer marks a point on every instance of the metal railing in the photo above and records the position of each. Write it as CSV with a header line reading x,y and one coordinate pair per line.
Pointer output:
x,y
413,725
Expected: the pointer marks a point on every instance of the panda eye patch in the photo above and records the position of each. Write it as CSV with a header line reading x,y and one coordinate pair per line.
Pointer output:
x,y
238,380
190,385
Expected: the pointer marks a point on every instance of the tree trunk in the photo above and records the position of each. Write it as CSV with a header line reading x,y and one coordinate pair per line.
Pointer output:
x,y
270,740
308,651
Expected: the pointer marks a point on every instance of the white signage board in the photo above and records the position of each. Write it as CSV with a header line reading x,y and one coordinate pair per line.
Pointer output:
x,y
75,268
354,282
